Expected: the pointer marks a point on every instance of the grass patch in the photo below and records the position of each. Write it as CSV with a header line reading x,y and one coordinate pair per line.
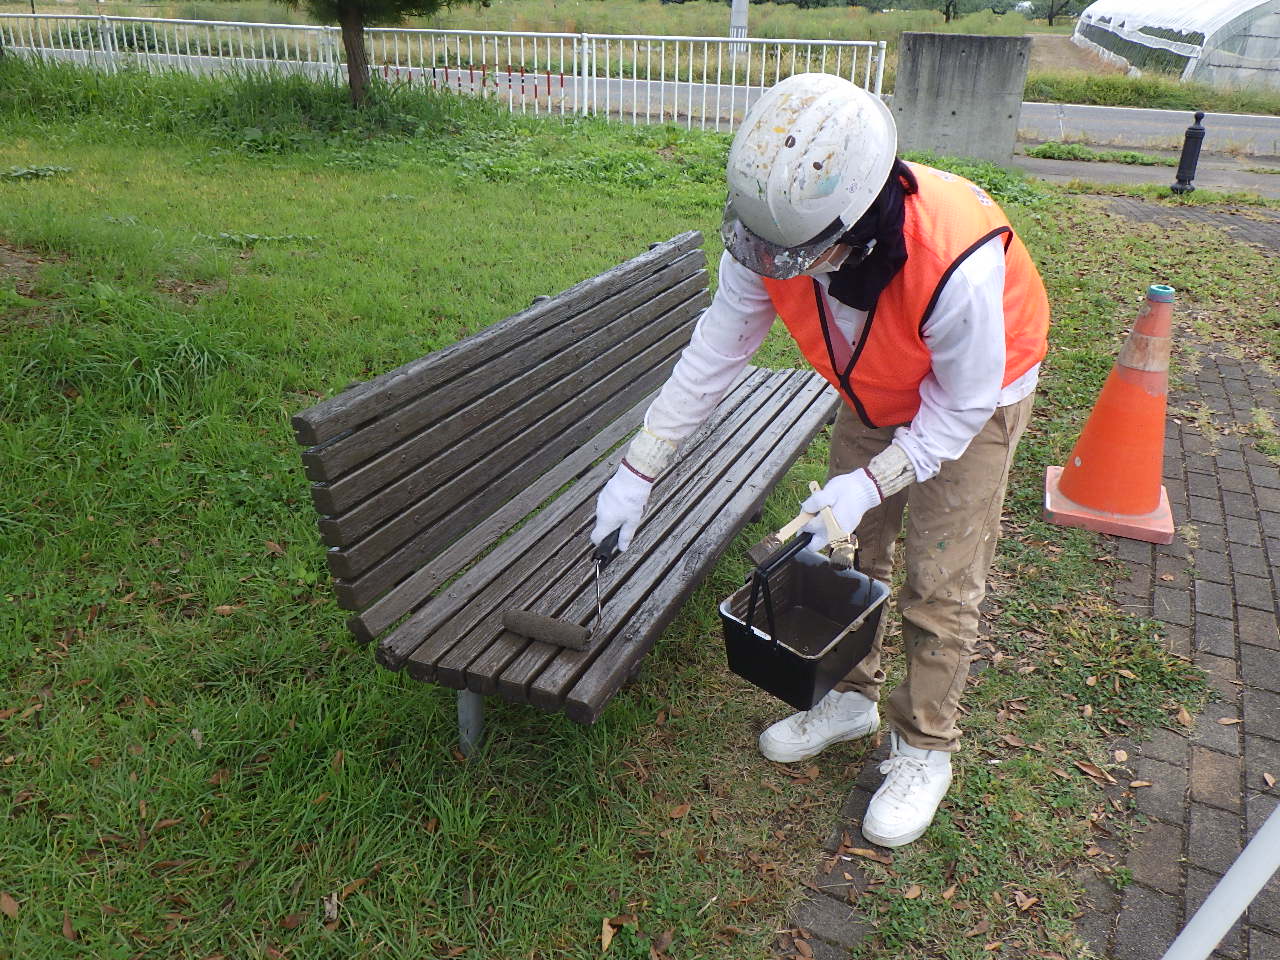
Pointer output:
x,y
1150,191
1149,90
194,756
1054,150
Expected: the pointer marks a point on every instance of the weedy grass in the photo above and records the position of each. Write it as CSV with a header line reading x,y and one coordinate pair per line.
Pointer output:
x,y
1151,90
1164,195
1055,150
196,759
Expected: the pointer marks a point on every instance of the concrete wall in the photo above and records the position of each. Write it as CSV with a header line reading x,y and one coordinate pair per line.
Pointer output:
x,y
960,95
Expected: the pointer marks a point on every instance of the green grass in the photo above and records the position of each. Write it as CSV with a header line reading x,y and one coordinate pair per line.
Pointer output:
x,y
1054,150
1152,90
170,650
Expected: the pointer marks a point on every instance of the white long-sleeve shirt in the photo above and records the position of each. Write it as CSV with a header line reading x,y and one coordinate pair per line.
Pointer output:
x,y
964,334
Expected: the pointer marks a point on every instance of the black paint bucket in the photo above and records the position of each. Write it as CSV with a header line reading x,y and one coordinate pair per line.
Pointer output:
x,y
820,622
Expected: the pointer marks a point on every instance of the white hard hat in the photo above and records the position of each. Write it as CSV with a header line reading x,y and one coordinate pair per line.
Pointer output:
x,y
810,157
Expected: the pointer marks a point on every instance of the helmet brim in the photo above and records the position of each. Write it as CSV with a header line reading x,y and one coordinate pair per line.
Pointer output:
x,y
770,259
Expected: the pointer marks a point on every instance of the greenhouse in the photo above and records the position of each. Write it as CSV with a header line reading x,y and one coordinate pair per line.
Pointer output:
x,y
1226,43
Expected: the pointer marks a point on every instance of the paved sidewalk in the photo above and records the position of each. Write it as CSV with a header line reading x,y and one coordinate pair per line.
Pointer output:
x,y
1215,588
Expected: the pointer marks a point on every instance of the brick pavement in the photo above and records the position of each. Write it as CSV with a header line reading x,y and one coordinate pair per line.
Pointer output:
x,y
1216,589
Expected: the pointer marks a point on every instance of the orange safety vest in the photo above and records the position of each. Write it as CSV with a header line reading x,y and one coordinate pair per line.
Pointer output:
x,y
879,376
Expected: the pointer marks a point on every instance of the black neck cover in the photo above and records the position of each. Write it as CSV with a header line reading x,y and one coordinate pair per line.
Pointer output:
x,y
858,285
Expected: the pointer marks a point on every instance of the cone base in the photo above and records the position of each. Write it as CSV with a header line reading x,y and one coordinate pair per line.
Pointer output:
x,y
1153,527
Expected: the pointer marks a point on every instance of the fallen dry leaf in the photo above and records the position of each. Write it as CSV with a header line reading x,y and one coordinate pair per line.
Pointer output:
x,y
1023,901
322,798
1269,780
1095,772
1139,783
680,810
292,921
8,906
950,892
224,609
1090,681
606,935
6,714
1128,674
980,928
352,887
337,761
1121,756
1167,577
912,892
803,948
1087,710
68,930
1229,721
1184,718
273,547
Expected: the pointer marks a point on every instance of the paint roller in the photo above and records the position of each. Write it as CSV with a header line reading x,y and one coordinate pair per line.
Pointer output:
x,y
562,633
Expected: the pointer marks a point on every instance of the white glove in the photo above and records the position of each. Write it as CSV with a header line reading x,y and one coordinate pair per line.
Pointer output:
x,y
620,505
850,495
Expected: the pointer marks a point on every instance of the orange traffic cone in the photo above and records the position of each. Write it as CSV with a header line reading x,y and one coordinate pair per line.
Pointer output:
x,y
1111,482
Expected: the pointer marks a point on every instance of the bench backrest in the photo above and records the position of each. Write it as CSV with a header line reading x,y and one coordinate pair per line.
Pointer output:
x,y
418,471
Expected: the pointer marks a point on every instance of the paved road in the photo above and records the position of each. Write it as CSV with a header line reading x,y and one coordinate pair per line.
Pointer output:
x,y
1158,129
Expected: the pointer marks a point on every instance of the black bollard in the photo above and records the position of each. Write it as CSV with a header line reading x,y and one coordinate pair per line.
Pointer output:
x,y
1190,156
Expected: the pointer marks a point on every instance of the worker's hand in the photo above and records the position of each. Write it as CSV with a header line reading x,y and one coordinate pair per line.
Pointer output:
x,y
850,495
620,505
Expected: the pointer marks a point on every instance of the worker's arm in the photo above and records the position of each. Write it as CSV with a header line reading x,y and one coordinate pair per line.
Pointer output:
x,y
724,339
965,336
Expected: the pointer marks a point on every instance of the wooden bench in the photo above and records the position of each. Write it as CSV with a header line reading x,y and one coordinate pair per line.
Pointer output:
x,y
464,483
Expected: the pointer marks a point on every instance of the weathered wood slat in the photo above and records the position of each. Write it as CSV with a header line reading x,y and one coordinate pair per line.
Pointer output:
x,y
385,557
417,589
430,422
515,408
477,659
694,487
652,614
482,626
467,652
432,632
739,469
360,404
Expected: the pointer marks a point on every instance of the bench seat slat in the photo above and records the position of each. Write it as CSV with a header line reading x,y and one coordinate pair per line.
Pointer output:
x,y
738,467
478,659
436,628
374,454
367,401
694,486
412,593
613,664
519,407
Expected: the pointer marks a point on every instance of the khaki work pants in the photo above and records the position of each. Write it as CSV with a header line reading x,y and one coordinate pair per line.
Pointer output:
x,y
953,523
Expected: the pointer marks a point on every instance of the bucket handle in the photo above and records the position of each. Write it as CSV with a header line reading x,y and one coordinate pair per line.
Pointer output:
x,y
760,579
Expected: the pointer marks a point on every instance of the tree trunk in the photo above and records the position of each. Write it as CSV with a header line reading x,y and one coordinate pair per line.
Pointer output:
x,y
351,17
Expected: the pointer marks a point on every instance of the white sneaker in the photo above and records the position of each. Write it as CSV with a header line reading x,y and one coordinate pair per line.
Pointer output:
x,y
834,718
914,784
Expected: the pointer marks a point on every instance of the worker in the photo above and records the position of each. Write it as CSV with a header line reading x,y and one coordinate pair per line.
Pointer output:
x,y
907,289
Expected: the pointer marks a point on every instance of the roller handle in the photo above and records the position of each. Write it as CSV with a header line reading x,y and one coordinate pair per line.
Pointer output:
x,y
606,550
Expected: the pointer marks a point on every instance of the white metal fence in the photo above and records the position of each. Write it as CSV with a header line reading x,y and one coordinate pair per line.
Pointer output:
x,y
697,81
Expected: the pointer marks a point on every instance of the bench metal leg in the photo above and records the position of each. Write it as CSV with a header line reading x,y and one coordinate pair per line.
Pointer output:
x,y
470,721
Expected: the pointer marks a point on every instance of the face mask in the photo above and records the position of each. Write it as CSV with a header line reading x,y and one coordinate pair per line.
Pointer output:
x,y
839,260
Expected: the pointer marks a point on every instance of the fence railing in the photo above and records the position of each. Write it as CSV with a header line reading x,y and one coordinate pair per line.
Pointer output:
x,y
699,81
